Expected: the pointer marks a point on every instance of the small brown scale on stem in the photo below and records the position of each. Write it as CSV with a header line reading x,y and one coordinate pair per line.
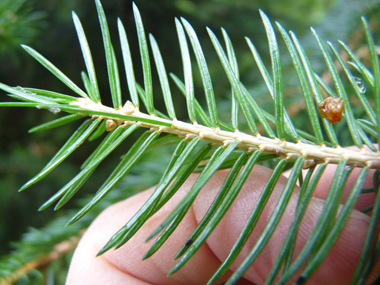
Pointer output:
x,y
331,108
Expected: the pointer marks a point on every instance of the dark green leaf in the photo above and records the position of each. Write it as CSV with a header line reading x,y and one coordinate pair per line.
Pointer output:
x,y
277,76
327,212
72,109
305,90
144,53
26,95
340,89
113,73
216,204
269,83
56,123
251,223
98,132
128,63
351,121
234,65
220,211
234,83
163,78
286,251
143,97
126,164
271,224
52,94
376,72
18,104
87,58
174,223
341,220
314,86
187,71
355,82
137,220
113,140
368,255
49,66
73,143
205,75
201,181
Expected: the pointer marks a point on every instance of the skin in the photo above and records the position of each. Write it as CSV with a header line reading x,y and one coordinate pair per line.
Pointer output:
x,y
124,266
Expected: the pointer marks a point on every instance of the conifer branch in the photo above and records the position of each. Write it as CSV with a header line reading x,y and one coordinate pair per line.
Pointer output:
x,y
313,154
59,250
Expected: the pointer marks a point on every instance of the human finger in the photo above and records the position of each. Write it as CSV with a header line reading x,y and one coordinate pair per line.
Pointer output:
x,y
323,187
338,264
127,260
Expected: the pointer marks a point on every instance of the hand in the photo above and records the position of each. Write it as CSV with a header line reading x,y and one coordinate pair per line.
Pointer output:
x,y
124,266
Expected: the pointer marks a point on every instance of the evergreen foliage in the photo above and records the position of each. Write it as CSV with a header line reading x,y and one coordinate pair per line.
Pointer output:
x,y
18,23
206,143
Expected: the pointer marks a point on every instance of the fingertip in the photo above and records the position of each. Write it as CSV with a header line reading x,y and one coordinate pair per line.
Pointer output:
x,y
339,263
323,188
128,258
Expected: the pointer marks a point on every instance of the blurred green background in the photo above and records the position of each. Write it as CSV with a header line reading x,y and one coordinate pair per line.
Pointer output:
x,y
47,27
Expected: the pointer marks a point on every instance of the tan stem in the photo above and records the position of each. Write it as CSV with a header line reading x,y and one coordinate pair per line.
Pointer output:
x,y
313,154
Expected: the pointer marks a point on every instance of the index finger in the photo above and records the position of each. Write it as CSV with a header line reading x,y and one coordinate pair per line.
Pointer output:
x,y
323,187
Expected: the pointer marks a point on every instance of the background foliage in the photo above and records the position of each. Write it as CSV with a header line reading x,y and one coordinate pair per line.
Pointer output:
x,y
47,26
